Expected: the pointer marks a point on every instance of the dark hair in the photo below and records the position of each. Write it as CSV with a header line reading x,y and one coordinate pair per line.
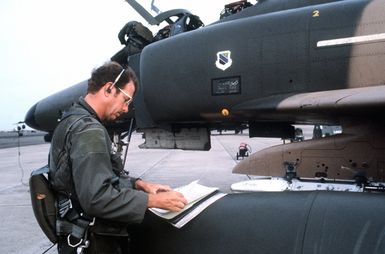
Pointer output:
x,y
108,72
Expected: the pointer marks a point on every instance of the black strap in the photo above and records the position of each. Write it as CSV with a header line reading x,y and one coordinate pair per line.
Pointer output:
x,y
79,229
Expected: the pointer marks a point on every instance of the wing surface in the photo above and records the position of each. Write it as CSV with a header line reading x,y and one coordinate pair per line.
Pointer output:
x,y
317,107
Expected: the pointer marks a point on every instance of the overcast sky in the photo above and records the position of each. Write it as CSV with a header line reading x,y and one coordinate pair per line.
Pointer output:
x,y
48,45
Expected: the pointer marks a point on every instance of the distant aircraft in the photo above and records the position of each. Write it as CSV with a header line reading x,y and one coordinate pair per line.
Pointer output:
x,y
267,66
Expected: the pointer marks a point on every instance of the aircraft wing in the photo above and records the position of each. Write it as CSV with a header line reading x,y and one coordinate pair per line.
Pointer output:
x,y
308,107
343,99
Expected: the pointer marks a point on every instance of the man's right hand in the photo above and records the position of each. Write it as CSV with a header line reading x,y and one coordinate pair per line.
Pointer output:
x,y
168,200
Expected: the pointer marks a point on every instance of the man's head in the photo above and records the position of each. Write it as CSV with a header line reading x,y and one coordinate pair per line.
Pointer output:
x,y
110,90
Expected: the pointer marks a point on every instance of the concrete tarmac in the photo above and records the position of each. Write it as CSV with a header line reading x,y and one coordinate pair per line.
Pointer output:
x,y
27,138
19,231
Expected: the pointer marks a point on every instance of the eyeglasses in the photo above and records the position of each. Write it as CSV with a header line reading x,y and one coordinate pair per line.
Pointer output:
x,y
127,101
117,79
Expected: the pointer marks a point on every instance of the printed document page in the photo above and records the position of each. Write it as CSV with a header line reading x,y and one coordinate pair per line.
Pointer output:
x,y
193,193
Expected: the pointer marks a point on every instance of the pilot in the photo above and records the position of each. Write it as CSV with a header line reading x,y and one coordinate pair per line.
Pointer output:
x,y
97,201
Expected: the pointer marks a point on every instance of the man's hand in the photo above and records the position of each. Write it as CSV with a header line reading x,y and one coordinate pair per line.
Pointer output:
x,y
169,200
151,188
162,196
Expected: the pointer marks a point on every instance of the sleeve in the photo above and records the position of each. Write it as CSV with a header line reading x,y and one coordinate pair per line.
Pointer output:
x,y
128,182
93,179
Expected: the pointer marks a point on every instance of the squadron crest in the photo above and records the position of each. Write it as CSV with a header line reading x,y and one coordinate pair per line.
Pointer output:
x,y
224,60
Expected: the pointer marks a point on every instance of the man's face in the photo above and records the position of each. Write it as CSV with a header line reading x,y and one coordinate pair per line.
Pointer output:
x,y
120,101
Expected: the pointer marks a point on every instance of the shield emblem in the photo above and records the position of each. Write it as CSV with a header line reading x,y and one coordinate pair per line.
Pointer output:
x,y
223,60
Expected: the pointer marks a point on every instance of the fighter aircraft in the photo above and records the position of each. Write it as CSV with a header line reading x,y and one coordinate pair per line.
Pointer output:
x,y
266,66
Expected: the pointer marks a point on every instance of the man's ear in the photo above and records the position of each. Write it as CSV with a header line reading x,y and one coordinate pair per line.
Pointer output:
x,y
108,87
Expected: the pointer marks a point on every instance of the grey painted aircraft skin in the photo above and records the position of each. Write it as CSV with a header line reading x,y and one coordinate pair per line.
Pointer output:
x,y
270,66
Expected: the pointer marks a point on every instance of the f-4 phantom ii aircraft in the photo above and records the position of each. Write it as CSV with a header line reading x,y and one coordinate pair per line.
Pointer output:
x,y
265,67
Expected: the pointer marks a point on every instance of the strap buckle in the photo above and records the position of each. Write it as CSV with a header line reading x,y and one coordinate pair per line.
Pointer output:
x,y
81,248
73,245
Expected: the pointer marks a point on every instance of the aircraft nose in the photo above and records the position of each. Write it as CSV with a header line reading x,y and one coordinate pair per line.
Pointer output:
x,y
30,117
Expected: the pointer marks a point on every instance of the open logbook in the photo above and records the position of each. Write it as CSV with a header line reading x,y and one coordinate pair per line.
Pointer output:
x,y
198,196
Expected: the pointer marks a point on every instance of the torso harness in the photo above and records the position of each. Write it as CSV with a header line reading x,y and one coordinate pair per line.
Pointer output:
x,y
58,213
72,221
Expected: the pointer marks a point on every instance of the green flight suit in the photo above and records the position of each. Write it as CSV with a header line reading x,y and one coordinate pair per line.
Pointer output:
x,y
84,167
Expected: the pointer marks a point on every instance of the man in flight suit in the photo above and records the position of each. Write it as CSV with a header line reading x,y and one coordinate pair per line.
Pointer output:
x,y
85,171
